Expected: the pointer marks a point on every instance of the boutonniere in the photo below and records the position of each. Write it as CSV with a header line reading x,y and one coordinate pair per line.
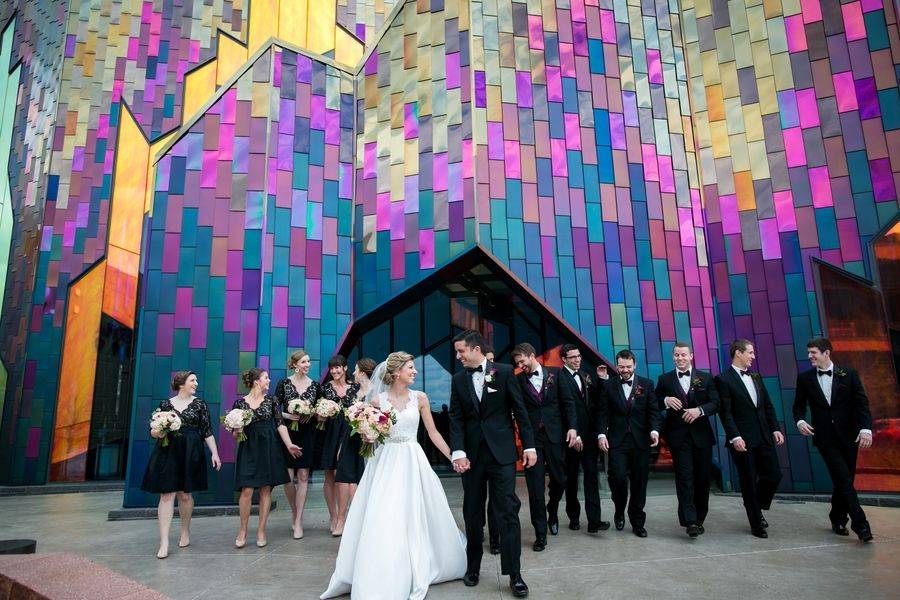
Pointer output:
x,y
490,376
638,390
840,373
587,379
697,383
549,379
756,377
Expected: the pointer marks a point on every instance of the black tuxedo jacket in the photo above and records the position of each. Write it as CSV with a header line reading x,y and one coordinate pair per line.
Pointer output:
x,y
838,424
553,410
583,401
701,394
490,419
616,414
739,417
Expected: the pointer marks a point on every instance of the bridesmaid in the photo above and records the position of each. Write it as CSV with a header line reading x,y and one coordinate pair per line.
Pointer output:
x,y
298,385
260,463
337,389
350,464
179,468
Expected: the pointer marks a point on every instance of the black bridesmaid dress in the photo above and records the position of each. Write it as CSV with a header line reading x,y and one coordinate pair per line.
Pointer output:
x,y
260,458
350,464
328,440
180,466
305,436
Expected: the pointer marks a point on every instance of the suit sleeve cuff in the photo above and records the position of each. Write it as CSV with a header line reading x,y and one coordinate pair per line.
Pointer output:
x,y
801,422
529,450
654,432
457,454
733,440
869,431
601,436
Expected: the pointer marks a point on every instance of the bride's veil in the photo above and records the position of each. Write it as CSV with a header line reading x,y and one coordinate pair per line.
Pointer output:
x,y
377,385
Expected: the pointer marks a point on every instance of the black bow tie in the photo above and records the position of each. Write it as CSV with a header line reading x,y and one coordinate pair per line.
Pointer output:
x,y
626,382
828,372
684,373
535,374
743,373
477,369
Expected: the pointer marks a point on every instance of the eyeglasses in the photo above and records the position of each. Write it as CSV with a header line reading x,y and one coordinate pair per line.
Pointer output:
x,y
570,357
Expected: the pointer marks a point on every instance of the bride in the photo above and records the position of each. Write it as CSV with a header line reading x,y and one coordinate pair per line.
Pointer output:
x,y
400,536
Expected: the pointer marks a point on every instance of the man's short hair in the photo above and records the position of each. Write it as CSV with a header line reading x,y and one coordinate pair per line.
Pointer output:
x,y
626,354
739,346
523,349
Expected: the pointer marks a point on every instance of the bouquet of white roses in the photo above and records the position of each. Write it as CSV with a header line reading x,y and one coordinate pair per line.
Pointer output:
x,y
236,420
371,424
303,409
325,409
162,423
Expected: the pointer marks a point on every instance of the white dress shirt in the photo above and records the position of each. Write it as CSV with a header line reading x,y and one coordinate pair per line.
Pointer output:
x,y
537,379
575,375
478,384
747,380
825,383
684,382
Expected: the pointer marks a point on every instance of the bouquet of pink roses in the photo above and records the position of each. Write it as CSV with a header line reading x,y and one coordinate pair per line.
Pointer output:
x,y
303,409
325,409
162,423
371,424
236,420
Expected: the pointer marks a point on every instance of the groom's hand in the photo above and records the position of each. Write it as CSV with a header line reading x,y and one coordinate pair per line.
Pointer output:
x,y
461,465
529,458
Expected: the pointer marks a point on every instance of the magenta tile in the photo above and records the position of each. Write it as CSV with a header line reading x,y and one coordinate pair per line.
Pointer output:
x,y
523,89
398,265
849,236
854,26
249,325
554,84
573,132
795,152
548,256
795,33
731,222
608,26
199,322
558,159
651,167
439,181
654,66
808,108
452,72
812,12
511,160
426,249
845,91
165,327
784,211
535,32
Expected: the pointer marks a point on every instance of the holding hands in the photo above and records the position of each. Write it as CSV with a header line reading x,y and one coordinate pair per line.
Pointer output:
x,y
461,465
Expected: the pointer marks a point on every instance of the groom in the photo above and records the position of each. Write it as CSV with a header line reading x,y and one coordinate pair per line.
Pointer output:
x,y
483,399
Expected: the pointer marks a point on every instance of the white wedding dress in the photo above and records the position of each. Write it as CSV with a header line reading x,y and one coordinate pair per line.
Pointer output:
x,y
400,536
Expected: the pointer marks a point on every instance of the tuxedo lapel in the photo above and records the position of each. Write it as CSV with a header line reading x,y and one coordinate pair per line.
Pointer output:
x,y
623,401
739,386
676,384
813,381
471,388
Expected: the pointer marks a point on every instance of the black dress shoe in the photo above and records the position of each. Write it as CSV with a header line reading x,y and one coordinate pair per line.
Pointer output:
x,y
470,579
864,533
840,529
595,527
763,523
639,531
554,527
759,532
693,530
495,549
574,525
701,529
517,586
539,544
620,522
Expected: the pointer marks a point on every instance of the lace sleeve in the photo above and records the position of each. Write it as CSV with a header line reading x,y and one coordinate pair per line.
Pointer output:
x,y
205,425
276,412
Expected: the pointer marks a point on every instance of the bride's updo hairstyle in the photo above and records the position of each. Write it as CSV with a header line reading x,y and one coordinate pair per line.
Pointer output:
x,y
394,363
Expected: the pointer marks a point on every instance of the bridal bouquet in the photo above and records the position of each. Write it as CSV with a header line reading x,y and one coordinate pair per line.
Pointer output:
x,y
325,409
162,423
371,424
236,420
303,409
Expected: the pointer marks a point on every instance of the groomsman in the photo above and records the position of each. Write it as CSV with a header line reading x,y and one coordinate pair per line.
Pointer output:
x,y
688,399
577,384
549,411
841,425
628,421
751,429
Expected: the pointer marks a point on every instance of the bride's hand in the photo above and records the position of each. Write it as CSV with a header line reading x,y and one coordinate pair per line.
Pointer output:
x,y
376,403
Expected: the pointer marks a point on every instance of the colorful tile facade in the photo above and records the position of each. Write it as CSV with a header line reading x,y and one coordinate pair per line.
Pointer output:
x,y
653,171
